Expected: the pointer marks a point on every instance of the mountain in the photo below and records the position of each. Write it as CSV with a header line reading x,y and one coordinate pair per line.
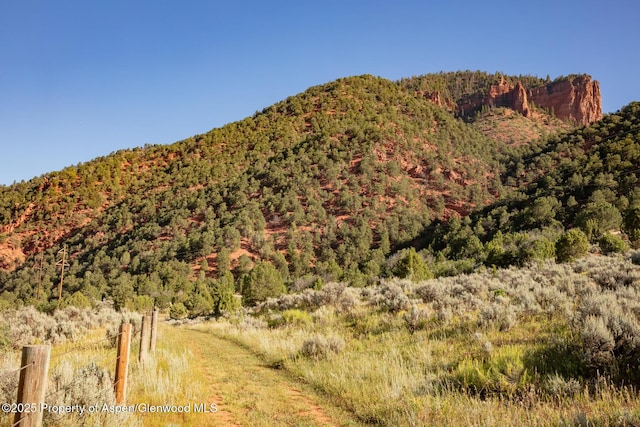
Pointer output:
x,y
585,179
328,182
574,98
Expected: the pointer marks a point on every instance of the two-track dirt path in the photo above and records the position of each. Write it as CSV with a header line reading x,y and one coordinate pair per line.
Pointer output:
x,y
247,392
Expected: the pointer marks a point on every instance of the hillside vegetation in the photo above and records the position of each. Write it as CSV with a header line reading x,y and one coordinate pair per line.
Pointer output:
x,y
583,183
413,264
324,181
454,87
547,345
333,184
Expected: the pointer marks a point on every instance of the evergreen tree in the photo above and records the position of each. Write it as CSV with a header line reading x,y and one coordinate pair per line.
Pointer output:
x,y
262,282
571,245
412,267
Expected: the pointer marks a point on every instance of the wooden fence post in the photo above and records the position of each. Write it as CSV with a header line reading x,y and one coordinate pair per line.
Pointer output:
x,y
145,334
122,363
32,385
154,331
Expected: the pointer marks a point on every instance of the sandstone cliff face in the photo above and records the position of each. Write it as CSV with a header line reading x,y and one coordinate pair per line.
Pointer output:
x,y
576,99
520,100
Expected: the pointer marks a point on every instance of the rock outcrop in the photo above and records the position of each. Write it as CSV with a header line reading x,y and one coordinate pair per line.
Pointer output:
x,y
437,98
575,99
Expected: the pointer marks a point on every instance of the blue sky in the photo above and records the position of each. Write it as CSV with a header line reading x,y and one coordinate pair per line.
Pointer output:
x,y
80,79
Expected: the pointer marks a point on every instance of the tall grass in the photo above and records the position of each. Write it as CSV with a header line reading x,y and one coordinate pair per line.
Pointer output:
x,y
504,347
82,365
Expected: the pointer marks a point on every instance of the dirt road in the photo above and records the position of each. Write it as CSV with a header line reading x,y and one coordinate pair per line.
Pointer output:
x,y
247,392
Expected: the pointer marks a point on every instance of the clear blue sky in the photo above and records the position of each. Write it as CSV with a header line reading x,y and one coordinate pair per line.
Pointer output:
x,y
83,78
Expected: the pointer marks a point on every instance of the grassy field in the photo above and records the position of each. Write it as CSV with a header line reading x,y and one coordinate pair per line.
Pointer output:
x,y
82,369
542,346
200,379
547,345
82,360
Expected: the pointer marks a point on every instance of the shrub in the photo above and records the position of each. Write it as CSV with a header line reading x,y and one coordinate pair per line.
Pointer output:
x,y
293,317
412,267
178,311
536,248
222,292
390,296
448,268
610,243
320,347
416,318
85,386
262,282
244,321
571,245
609,331
78,299
498,314
634,237
143,302
8,380
5,335
297,318
612,345
598,341
560,387
599,217
635,257
28,326
518,248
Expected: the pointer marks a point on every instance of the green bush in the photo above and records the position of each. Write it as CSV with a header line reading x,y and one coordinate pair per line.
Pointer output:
x,y
224,299
634,237
610,243
78,299
412,267
297,317
597,218
144,303
178,311
447,268
537,249
262,282
571,245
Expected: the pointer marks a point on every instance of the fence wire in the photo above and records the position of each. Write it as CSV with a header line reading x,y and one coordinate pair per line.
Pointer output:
x,y
86,346
75,381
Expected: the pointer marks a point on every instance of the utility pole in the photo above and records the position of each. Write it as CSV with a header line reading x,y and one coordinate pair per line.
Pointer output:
x,y
40,275
63,264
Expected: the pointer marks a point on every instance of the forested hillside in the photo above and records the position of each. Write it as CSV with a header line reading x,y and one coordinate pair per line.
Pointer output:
x,y
325,185
586,180
456,86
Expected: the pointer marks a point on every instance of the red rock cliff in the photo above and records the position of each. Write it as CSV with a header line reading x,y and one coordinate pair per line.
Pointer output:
x,y
575,99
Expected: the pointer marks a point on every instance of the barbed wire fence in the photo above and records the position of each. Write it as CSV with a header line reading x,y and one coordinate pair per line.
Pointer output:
x,y
35,390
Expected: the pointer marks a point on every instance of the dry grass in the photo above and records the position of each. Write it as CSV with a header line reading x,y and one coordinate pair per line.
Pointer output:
x,y
549,345
491,348
81,372
510,127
